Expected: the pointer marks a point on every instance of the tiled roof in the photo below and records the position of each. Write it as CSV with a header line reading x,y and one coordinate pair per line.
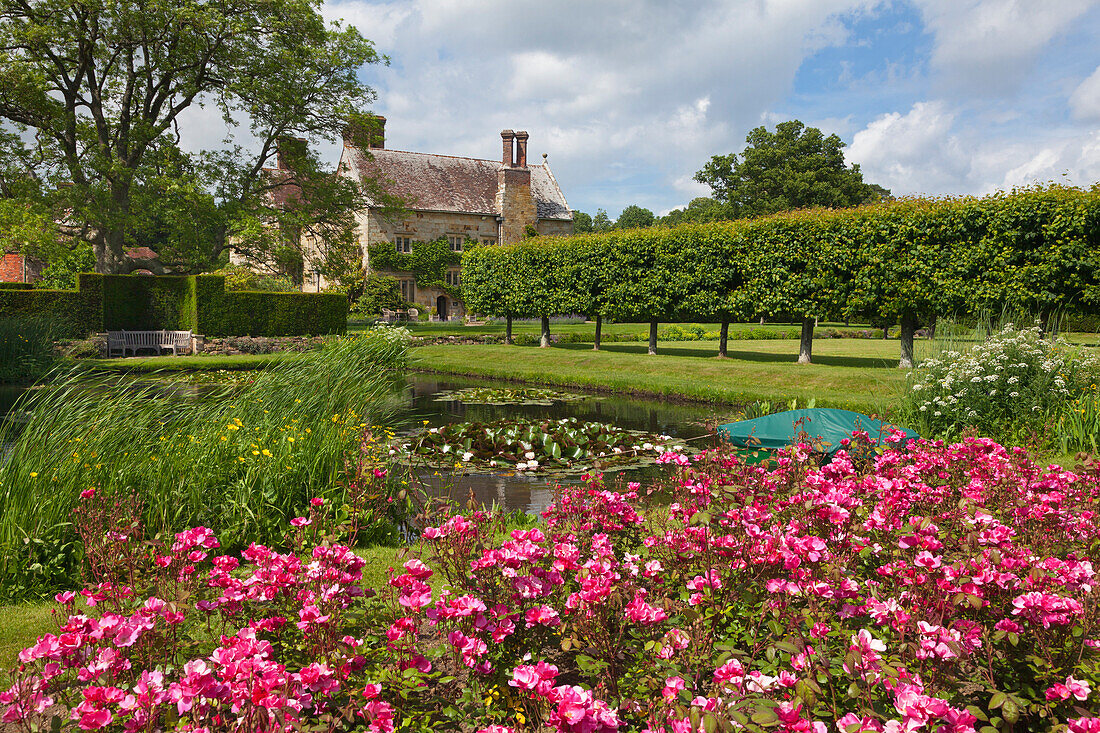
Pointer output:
x,y
282,194
447,183
141,253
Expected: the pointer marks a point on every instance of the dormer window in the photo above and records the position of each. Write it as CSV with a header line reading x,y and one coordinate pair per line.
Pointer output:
x,y
403,243
455,240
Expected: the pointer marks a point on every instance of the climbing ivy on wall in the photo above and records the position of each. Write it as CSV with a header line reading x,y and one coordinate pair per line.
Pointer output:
x,y
428,262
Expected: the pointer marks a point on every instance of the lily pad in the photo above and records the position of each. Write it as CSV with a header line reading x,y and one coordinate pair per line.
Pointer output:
x,y
507,396
568,445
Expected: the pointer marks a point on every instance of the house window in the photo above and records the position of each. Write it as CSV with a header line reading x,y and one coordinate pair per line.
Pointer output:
x,y
488,240
455,240
403,243
408,290
454,278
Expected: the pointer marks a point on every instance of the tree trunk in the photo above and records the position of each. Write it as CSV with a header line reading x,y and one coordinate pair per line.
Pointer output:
x,y
508,330
109,258
653,337
908,327
885,332
723,338
110,244
544,339
599,327
932,327
806,346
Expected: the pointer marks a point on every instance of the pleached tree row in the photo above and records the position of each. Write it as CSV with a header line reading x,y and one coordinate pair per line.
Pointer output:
x,y
905,262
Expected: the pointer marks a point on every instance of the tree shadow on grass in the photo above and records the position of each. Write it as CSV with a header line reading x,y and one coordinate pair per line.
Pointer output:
x,y
860,362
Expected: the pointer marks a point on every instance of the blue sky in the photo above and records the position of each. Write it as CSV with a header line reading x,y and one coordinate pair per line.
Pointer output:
x,y
630,98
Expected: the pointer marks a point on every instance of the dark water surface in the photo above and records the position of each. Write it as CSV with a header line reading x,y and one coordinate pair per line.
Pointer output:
x,y
524,492
533,493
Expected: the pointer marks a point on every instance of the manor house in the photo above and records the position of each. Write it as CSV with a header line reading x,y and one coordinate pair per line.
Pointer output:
x,y
465,200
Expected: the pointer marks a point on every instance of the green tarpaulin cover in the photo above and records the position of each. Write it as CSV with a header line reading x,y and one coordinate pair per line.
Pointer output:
x,y
825,428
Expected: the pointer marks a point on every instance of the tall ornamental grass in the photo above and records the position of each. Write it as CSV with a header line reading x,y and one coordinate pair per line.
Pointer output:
x,y
1015,385
26,349
243,462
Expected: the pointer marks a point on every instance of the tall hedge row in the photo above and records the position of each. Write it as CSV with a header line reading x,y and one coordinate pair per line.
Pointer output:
x,y
221,312
74,313
1035,250
196,303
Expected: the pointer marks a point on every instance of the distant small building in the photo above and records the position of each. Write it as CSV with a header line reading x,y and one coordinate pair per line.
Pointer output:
x,y
18,268
461,199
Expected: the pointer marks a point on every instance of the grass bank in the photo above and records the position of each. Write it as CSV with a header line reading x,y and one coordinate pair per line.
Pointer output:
x,y
855,373
196,363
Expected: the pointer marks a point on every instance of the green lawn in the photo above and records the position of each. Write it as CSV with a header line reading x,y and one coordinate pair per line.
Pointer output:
x,y
198,362
860,373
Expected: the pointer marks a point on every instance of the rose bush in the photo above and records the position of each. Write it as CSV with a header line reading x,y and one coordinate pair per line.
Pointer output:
x,y
939,588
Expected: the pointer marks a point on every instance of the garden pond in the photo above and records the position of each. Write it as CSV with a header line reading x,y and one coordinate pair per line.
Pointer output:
x,y
537,418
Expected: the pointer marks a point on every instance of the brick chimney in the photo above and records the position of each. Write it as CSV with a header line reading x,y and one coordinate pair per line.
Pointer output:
x,y
371,127
521,148
515,203
288,148
378,132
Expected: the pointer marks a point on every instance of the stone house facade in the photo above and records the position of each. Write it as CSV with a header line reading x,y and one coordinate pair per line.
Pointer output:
x,y
461,199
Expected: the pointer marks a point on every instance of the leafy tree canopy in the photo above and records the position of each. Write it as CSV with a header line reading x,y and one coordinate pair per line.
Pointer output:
x,y
92,91
582,222
602,222
794,167
633,217
700,210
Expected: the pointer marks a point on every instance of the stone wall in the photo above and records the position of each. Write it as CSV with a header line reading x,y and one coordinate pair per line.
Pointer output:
x,y
515,200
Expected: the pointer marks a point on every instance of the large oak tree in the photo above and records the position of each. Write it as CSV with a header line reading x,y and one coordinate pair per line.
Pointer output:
x,y
97,87
795,167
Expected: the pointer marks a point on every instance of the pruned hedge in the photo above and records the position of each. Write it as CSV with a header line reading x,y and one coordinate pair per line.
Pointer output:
x,y
196,303
244,313
1035,250
74,313
16,286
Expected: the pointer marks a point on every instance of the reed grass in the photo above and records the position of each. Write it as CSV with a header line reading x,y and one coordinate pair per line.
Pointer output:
x,y
26,349
242,462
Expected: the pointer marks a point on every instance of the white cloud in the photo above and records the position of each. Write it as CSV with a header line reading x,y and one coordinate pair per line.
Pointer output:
x,y
914,152
1084,103
616,92
933,149
985,47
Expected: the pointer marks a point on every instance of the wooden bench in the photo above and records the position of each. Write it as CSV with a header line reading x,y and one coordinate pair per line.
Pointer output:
x,y
131,341
176,340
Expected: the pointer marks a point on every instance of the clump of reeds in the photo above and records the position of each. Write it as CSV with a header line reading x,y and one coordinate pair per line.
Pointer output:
x,y
242,462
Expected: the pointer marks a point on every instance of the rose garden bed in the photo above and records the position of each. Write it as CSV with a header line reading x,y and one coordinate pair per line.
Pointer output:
x,y
940,588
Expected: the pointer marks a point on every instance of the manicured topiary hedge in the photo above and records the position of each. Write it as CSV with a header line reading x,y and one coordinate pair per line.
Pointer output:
x,y
197,303
908,261
75,313
243,313
16,286
144,303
